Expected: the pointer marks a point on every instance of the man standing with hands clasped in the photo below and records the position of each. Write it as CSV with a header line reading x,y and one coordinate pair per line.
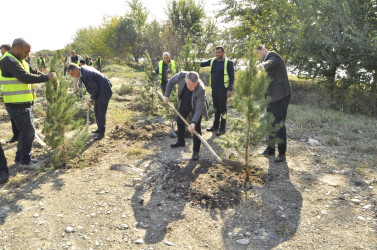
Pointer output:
x,y
99,88
221,81
191,98
279,91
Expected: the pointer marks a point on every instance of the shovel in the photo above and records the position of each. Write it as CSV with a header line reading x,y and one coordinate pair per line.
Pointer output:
x,y
87,118
229,164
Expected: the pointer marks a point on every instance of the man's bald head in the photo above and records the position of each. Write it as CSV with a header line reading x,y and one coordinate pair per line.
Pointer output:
x,y
20,42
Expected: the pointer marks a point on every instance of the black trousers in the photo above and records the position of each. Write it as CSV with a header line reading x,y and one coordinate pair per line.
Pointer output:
x,y
3,160
219,98
163,88
185,111
279,111
16,132
99,68
100,110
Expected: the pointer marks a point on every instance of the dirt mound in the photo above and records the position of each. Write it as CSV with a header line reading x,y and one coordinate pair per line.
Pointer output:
x,y
144,130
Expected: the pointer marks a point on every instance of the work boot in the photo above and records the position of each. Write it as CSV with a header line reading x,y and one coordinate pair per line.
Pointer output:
x,y
195,156
177,144
32,160
28,166
95,131
99,136
280,158
4,176
268,151
222,127
211,129
13,139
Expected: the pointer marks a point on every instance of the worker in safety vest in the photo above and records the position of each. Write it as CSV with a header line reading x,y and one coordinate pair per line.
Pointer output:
x,y
165,69
74,58
42,63
99,64
16,133
221,81
17,79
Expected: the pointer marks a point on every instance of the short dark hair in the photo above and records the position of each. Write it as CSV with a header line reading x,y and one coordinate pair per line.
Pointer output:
x,y
260,47
82,61
21,42
5,46
73,66
220,47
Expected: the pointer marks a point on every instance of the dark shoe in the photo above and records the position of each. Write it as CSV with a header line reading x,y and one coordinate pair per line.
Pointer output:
x,y
13,139
211,129
32,160
95,131
220,132
267,151
280,158
177,144
4,176
195,156
99,137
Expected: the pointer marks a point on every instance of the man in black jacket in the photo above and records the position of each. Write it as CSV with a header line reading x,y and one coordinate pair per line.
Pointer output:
x,y
16,75
99,88
279,92
221,82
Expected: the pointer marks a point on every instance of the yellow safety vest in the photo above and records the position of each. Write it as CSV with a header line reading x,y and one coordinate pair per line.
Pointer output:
x,y
171,63
40,60
70,60
15,91
226,76
100,61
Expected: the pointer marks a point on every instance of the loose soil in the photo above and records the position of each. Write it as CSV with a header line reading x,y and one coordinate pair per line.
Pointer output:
x,y
132,191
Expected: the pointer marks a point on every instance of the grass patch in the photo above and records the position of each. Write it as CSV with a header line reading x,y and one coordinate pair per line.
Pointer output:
x,y
135,151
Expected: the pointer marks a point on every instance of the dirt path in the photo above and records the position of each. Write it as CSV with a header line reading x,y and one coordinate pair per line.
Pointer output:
x,y
131,191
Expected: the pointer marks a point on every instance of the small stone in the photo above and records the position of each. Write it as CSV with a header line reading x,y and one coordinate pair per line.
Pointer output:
x,y
367,206
125,226
248,234
92,214
169,243
324,212
139,241
361,218
356,201
36,215
69,230
312,142
283,216
230,234
124,216
243,241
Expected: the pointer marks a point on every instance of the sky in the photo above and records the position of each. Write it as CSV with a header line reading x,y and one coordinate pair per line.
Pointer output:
x,y
52,24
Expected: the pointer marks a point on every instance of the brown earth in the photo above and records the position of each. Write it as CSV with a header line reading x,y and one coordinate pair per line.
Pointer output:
x,y
131,191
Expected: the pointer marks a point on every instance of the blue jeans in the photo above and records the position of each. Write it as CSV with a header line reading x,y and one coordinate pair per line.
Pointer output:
x,y
22,114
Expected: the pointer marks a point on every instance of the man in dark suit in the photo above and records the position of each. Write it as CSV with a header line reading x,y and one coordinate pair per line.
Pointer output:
x,y
191,98
279,92
99,88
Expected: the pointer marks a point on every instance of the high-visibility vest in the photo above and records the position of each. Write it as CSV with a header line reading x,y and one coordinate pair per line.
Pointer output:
x,y
100,61
171,63
70,60
226,76
15,91
41,61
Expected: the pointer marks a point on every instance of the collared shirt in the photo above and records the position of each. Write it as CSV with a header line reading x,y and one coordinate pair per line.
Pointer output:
x,y
217,73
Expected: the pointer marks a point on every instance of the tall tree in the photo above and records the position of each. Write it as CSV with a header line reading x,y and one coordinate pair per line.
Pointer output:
x,y
186,17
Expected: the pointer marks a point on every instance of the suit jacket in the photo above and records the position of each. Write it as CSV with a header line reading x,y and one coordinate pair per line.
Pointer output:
x,y
198,101
279,86
97,85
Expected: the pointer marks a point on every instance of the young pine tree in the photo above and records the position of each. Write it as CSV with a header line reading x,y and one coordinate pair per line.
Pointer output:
x,y
252,123
148,95
187,56
59,121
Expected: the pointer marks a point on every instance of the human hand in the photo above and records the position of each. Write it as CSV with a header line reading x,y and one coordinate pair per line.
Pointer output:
x,y
90,103
166,99
229,94
191,128
51,75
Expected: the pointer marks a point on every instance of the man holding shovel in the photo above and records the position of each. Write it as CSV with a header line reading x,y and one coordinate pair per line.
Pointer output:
x,y
99,88
191,98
